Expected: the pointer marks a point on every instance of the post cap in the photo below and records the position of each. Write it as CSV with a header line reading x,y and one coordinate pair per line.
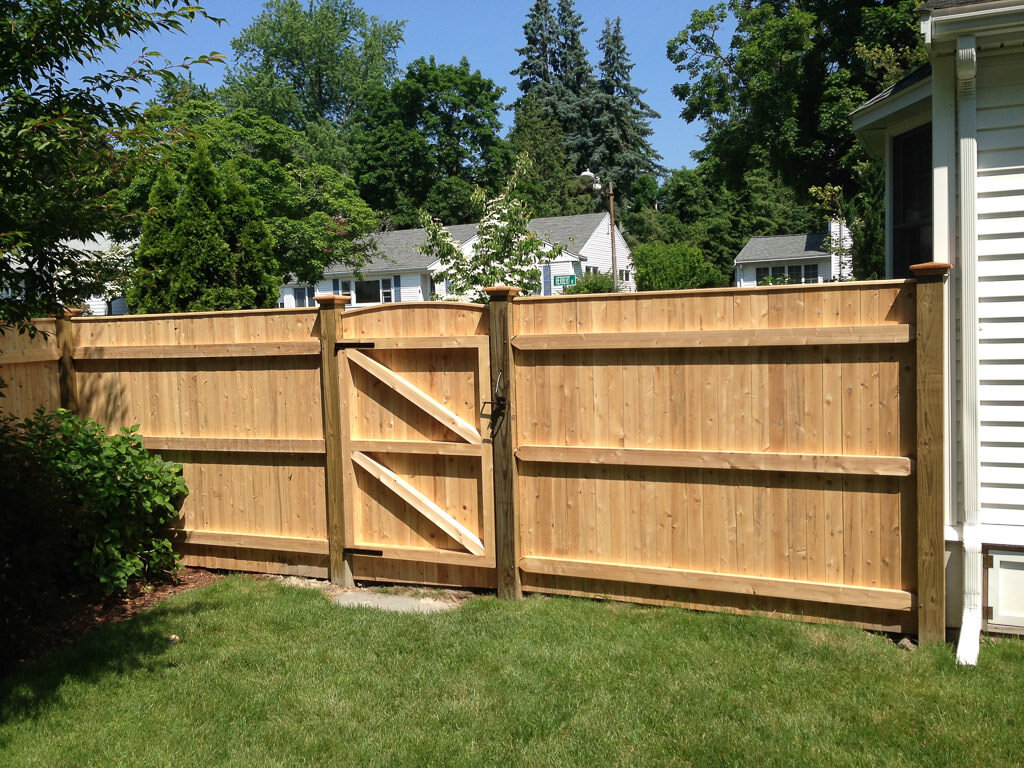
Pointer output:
x,y
332,301
930,269
502,292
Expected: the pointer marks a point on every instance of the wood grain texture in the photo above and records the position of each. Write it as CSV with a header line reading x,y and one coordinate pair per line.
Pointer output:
x,y
931,479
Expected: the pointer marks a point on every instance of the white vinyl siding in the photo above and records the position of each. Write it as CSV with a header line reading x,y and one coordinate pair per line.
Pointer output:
x,y
1000,228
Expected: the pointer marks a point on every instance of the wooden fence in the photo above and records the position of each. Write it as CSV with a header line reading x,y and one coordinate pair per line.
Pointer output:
x,y
774,449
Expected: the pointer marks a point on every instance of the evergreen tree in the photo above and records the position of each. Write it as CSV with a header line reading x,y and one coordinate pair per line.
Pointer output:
x,y
539,66
204,245
557,77
548,184
576,93
156,253
572,68
621,149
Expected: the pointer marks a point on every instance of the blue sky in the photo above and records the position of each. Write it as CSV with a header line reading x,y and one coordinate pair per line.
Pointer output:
x,y
487,33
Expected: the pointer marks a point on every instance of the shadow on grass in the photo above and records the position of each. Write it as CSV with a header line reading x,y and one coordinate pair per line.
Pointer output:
x,y
140,643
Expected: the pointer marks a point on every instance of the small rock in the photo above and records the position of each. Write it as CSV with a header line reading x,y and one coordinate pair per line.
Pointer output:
x,y
906,644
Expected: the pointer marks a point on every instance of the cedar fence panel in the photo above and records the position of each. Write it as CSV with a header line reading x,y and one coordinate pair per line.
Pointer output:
x,y
235,398
732,449
737,449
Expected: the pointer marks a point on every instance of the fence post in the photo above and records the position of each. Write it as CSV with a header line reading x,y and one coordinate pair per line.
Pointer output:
x,y
503,437
931,469
331,309
66,337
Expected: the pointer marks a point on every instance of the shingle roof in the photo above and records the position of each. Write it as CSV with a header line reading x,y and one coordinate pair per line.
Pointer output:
x,y
398,248
783,248
936,5
921,73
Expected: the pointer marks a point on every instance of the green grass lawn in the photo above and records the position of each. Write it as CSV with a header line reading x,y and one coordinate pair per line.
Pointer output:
x,y
269,675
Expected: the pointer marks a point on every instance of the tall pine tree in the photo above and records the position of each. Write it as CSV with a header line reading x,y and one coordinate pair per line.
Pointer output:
x,y
539,65
620,148
556,75
205,246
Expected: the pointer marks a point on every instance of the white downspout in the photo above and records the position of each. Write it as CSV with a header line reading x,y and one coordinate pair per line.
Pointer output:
x,y
966,77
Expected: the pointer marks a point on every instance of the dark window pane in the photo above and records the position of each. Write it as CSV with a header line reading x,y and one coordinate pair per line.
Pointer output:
x,y
367,291
912,199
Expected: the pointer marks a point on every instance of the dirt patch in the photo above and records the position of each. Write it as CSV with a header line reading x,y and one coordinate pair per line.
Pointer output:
x,y
456,596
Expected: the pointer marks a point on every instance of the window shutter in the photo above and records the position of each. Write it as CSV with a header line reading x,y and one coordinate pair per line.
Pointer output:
x,y
546,271
397,288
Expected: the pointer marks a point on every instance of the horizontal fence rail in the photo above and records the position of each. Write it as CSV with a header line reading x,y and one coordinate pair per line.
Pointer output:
x,y
733,449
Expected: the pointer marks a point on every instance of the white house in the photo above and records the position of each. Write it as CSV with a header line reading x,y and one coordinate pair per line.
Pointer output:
x,y
952,134
402,273
816,258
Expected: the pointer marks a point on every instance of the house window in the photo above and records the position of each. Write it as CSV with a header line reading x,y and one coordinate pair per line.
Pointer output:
x,y
304,296
623,275
778,273
911,200
810,273
373,291
793,270
760,274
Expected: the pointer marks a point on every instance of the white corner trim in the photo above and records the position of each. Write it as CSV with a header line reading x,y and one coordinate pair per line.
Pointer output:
x,y
967,100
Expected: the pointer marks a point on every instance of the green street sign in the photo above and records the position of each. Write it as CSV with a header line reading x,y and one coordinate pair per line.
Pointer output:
x,y
565,280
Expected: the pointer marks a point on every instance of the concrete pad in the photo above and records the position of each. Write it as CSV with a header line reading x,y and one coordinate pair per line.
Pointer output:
x,y
396,603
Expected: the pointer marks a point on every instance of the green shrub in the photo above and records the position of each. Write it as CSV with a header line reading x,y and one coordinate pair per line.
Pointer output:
x,y
81,509
595,282
115,497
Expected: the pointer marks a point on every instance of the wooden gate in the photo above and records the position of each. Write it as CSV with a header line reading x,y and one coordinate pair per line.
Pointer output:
x,y
415,452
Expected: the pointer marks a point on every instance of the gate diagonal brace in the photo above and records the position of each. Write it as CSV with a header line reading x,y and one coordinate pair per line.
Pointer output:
x,y
419,502
426,403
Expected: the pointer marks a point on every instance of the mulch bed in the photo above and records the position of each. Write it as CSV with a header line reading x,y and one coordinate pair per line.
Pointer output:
x,y
75,614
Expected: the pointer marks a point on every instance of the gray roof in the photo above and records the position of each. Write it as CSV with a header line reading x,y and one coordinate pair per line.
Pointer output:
x,y
783,248
921,73
398,248
938,5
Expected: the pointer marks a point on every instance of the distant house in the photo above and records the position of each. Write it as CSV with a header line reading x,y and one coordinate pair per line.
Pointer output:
x,y
816,258
952,137
401,273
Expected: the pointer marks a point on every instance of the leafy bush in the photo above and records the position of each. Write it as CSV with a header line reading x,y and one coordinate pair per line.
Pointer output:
x,y
595,282
674,266
82,508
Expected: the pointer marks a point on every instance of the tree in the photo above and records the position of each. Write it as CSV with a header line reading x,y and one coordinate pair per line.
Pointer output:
x,y
539,64
778,96
429,141
621,128
312,210
556,75
548,184
505,252
675,266
206,246
63,144
305,64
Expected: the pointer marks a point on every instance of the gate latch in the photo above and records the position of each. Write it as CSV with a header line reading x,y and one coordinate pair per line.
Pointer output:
x,y
499,403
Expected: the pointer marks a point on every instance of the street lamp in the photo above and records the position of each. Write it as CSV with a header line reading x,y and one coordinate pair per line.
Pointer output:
x,y
592,180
